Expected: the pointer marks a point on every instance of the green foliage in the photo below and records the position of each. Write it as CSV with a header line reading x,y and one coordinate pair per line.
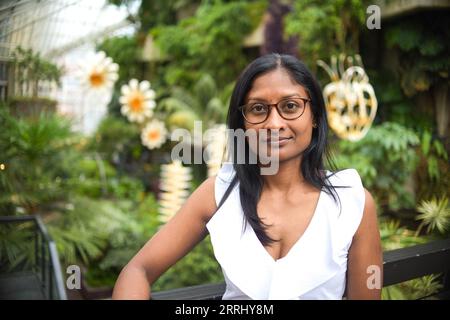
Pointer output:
x,y
118,142
422,42
48,172
88,228
73,230
326,27
31,106
16,247
208,41
432,150
115,137
413,289
434,213
204,104
395,106
385,159
432,176
394,236
167,11
33,152
198,267
30,69
126,241
95,178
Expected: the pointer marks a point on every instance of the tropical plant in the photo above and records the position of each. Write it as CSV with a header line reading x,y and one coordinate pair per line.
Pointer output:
x,y
432,150
422,42
386,160
394,236
168,11
33,152
208,41
126,241
326,27
205,104
413,289
434,213
432,176
46,171
198,267
30,70
16,247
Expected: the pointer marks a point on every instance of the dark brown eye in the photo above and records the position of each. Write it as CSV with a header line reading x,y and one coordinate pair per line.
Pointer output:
x,y
291,106
257,108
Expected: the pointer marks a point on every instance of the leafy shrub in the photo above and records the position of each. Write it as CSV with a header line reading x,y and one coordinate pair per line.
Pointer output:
x,y
386,160
208,41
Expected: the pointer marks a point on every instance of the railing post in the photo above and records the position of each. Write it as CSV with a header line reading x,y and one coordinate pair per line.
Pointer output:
x,y
50,282
446,281
43,242
36,249
43,258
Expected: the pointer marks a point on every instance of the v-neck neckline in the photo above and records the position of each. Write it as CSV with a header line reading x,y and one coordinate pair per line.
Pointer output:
x,y
297,242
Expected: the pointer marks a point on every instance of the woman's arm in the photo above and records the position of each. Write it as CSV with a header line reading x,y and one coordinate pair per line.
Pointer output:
x,y
173,241
365,257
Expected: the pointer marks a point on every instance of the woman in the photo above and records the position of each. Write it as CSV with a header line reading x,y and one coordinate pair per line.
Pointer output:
x,y
300,233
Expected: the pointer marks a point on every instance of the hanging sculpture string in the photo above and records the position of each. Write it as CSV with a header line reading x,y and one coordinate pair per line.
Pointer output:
x,y
350,99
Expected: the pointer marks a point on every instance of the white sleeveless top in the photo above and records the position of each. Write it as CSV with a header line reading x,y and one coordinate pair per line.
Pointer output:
x,y
314,268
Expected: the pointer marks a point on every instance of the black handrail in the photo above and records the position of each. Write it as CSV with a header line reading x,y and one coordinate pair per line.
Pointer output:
x,y
46,257
398,266
412,262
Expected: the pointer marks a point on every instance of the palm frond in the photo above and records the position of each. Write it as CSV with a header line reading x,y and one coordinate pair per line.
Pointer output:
x,y
435,214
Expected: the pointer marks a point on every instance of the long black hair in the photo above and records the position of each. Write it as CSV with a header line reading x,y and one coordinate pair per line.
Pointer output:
x,y
312,165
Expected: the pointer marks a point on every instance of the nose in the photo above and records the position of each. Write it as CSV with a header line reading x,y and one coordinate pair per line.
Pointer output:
x,y
274,120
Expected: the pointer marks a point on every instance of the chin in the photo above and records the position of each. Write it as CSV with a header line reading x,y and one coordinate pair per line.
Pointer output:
x,y
286,155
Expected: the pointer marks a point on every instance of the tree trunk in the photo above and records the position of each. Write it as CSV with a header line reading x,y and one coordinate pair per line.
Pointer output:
x,y
273,31
441,102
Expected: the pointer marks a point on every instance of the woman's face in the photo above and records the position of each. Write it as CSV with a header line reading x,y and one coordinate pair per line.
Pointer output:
x,y
294,135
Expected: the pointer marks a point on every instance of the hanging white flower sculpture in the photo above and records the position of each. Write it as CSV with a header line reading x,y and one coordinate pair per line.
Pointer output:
x,y
98,72
216,143
350,99
154,134
137,100
175,185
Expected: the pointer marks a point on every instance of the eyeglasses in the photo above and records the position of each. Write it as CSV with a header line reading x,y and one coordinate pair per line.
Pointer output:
x,y
288,109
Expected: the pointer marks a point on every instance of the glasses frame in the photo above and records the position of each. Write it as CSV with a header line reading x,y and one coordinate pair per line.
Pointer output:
x,y
270,105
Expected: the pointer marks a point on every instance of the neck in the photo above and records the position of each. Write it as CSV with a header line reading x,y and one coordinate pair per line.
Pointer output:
x,y
288,178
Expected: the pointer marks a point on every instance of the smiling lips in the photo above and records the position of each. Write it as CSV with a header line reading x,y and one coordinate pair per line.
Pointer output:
x,y
280,141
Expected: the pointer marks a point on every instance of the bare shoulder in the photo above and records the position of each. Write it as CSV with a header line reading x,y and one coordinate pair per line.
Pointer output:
x,y
369,219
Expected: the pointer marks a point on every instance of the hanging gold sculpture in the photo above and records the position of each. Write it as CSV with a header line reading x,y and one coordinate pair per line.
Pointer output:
x,y
350,99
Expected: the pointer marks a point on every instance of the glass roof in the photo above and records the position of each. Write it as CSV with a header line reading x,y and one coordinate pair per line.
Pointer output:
x,y
53,27
64,32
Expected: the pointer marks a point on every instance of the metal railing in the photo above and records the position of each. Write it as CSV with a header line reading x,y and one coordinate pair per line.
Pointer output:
x,y
398,266
45,264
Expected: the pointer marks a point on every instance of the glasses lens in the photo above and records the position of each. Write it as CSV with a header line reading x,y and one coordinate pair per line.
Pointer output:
x,y
256,112
291,108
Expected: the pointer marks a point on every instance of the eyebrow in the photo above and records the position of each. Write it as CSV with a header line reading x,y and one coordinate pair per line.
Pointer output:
x,y
284,97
